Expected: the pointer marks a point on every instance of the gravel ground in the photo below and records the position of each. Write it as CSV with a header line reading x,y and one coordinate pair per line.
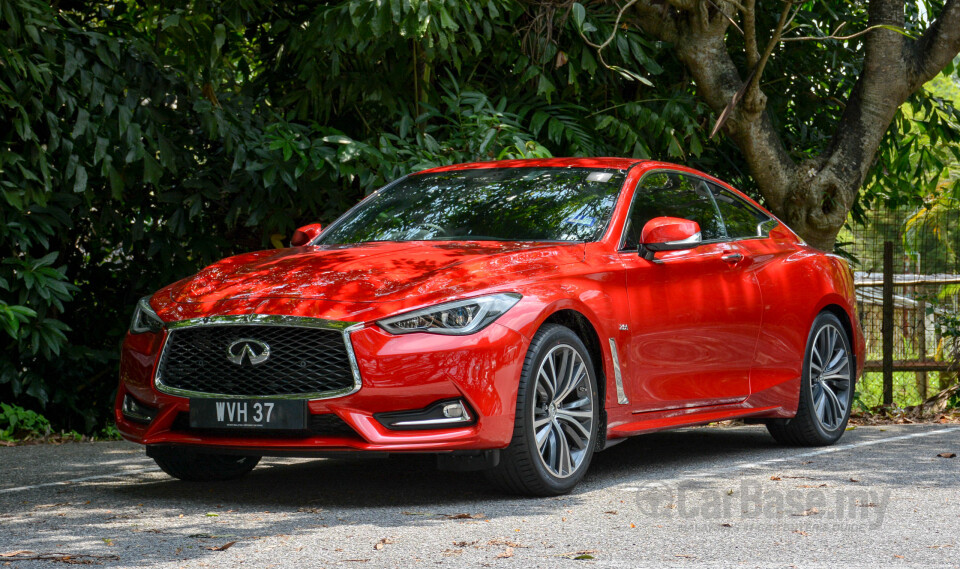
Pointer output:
x,y
723,497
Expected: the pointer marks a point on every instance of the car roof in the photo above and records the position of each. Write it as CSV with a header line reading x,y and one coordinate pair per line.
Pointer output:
x,y
615,163
603,162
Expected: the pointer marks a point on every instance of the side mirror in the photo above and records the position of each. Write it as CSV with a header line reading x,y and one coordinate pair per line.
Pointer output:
x,y
305,234
668,234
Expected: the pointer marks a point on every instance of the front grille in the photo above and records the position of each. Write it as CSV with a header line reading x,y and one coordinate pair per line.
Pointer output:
x,y
302,361
320,425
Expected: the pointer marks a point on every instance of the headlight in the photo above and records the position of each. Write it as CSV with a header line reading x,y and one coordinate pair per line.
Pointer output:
x,y
453,318
144,318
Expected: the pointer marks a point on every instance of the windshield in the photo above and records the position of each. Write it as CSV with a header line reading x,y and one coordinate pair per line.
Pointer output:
x,y
497,204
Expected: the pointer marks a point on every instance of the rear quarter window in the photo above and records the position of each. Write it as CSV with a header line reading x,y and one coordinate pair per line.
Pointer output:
x,y
741,219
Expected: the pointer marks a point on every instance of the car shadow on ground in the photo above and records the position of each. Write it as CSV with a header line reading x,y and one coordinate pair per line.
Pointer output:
x,y
413,481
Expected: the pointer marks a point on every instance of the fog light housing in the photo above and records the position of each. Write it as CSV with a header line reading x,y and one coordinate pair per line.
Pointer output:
x,y
136,411
440,415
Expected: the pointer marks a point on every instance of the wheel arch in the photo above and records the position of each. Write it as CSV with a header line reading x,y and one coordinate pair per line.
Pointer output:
x,y
583,328
580,325
843,315
844,319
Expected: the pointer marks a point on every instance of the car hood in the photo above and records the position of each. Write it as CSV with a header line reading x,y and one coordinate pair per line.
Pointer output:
x,y
372,272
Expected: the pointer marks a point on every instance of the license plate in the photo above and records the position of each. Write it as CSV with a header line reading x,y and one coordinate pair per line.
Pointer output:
x,y
248,414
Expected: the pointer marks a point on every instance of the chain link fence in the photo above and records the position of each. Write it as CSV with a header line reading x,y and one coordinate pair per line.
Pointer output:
x,y
907,268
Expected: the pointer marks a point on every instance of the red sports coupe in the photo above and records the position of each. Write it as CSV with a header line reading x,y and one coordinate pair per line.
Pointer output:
x,y
514,317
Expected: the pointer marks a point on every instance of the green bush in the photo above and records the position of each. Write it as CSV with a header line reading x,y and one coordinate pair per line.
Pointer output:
x,y
17,423
144,140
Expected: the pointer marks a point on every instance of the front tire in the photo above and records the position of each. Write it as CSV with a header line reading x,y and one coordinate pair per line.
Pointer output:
x,y
203,467
826,388
556,426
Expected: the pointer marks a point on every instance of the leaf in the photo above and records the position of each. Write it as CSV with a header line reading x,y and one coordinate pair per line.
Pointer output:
x,y
508,552
80,183
124,116
70,64
116,183
947,455
151,170
100,150
446,21
219,36
83,120
626,73
579,14
46,260
171,21
337,138
383,541
223,547
582,554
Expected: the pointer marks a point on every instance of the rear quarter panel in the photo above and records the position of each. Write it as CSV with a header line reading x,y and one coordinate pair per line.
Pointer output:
x,y
797,282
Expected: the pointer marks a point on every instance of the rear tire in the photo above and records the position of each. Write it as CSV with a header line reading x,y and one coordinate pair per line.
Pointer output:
x,y
556,426
826,388
203,467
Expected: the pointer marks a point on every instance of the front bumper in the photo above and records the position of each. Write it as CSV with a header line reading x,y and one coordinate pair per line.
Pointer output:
x,y
398,373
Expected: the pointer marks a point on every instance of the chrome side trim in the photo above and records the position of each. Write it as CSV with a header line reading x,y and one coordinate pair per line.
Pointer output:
x,y
345,328
621,396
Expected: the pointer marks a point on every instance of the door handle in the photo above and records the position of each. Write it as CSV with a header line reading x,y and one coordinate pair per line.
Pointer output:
x,y
732,258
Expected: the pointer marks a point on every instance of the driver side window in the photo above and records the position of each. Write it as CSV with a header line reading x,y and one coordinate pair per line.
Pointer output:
x,y
670,194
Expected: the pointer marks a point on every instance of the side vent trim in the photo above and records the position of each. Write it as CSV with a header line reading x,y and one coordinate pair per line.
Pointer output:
x,y
621,396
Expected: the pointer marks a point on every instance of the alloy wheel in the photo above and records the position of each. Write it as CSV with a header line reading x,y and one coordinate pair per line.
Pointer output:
x,y
563,411
830,377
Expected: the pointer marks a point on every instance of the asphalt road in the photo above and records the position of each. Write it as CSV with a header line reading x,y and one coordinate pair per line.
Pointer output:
x,y
723,497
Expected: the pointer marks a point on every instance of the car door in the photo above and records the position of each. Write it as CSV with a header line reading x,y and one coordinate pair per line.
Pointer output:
x,y
782,283
693,315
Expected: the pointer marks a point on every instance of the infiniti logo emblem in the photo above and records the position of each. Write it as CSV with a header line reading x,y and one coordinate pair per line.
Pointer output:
x,y
254,351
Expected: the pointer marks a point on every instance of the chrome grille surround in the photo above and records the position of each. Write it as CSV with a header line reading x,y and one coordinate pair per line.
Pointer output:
x,y
345,328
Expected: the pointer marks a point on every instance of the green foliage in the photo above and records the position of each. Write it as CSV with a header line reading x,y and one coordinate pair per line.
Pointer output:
x,y
17,423
109,433
122,172
948,325
143,141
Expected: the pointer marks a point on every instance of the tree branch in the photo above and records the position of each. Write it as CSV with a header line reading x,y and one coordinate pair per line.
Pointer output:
x,y
937,46
613,34
833,35
728,17
657,19
750,33
754,89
